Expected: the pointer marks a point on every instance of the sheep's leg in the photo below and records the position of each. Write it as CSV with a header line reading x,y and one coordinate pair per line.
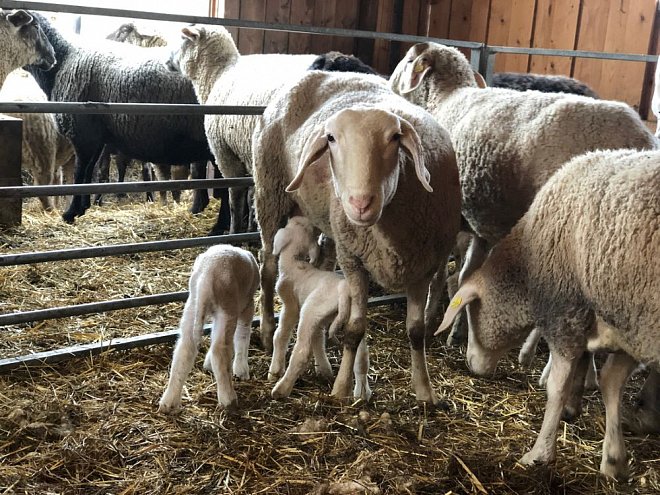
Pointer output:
x,y
220,356
543,379
148,176
646,418
43,177
528,350
123,163
322,365
573,407
85,161
559,380
288,319
354,331
237,202
179,172
163,172
200,196
103,166
361,368
613,378
432,310
241,367
184,355
421,382
591,380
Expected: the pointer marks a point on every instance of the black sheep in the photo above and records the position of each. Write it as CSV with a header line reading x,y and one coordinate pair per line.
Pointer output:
x,y
339,62
543,83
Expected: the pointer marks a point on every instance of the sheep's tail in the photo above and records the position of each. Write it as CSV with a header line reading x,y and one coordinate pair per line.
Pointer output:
x,y
343,310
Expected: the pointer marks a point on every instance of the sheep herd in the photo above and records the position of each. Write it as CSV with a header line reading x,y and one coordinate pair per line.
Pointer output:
x,y
560,194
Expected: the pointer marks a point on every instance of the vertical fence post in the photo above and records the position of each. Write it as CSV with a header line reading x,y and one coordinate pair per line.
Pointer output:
x,y
11,131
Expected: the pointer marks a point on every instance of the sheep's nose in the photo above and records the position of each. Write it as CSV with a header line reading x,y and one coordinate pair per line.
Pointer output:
x,y
362,202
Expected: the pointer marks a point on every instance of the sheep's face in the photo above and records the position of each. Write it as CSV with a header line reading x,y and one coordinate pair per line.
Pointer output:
x,y
23,38
363,145
202,48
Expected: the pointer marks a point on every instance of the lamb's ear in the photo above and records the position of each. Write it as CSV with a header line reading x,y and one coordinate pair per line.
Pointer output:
x,y
314,148
481,82
413,144
190,32
281,240
19,18
466,294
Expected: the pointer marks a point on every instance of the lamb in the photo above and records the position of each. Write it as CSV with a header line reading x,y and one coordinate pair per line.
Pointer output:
x,y
566,273
116,72
383,196
508,143
311,298
542,82
46,154
209,58
223,282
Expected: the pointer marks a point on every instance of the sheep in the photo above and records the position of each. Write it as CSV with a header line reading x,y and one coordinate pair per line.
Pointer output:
x,y
542,82
646,417
23,43
223,282
113,72
581,265
655,100
360,162
337,61
508,143
209,58
130,33
311,298
46,154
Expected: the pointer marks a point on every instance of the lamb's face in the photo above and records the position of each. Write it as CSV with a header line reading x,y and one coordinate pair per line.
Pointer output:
x,y
23,38
296,239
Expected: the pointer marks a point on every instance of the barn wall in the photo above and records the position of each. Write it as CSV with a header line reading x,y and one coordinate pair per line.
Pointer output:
x,y
624,26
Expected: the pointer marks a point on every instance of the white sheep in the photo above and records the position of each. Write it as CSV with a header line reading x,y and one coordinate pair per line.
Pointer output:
x,y
377,175
311,299
221,76
46,153
223,282
508,143
655,101
581,265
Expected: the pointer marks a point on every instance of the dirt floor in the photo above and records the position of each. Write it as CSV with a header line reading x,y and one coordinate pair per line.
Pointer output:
x,y
91,426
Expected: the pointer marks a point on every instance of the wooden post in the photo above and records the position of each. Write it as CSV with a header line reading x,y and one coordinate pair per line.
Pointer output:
x,y
11,131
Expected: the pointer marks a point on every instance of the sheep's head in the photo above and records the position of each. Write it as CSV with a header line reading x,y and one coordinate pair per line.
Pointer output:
x,y
448,67
298,238
201,48
24,41
129,33
363,145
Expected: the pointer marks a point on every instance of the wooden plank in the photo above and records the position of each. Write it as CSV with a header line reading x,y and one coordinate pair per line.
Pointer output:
x,y
277,11
439,17
302,13
510,24
555,27
367,19
469,20
252,40
232,10
649,72
626,28
324,15
346,17
410,23
382,47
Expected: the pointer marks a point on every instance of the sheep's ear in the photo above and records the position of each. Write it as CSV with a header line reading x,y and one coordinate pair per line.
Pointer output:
x,y
19,18
314,148
481,82
413,144
413,75
465,295
280,241
190,32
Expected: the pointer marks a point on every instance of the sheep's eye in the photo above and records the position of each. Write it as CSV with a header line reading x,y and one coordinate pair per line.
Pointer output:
x,y
331,138
396,136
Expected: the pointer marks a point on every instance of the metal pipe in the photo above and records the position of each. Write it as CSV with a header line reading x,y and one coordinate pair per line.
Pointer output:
x,y
97,107
119,249
634,57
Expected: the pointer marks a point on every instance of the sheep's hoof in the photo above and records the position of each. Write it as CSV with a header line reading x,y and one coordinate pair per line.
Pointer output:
x,y
570,413
280,391
168,407
531,458
614,468
69,217
274,375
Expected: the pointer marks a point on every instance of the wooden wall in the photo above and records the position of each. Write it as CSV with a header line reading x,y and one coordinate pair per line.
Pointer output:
x,y
624,26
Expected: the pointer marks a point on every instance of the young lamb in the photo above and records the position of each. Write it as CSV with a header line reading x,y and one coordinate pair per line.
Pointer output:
x,y
117,72
46,154
377,175
209,58
508,143
582,266
223,282
311,299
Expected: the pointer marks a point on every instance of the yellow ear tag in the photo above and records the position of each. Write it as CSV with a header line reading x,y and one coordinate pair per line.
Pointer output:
x,y
419,67
456,302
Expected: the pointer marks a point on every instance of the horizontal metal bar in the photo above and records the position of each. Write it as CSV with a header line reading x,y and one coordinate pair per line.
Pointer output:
x,y
633,57
86,350
119,249
95,107
268,26
126,187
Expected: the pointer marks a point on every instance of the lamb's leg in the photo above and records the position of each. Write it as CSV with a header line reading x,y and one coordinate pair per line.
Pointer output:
x,y
184,355
361,369
322,365
613,378
242,343
288,319
559,380
528,350
220,356
421,382
646,418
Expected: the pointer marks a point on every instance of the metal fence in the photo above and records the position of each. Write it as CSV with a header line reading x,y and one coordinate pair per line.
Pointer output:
x,y
482,58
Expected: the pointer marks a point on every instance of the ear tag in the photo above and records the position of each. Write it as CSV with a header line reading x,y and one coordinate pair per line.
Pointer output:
x,y
456,302
419,67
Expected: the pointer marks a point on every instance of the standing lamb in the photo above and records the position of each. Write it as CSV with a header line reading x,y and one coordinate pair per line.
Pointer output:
x,y
508,143
116,72
223,282
311,299
384,196
209,58
581,265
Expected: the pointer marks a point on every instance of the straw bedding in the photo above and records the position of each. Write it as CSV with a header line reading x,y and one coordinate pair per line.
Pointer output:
x,y
91,426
